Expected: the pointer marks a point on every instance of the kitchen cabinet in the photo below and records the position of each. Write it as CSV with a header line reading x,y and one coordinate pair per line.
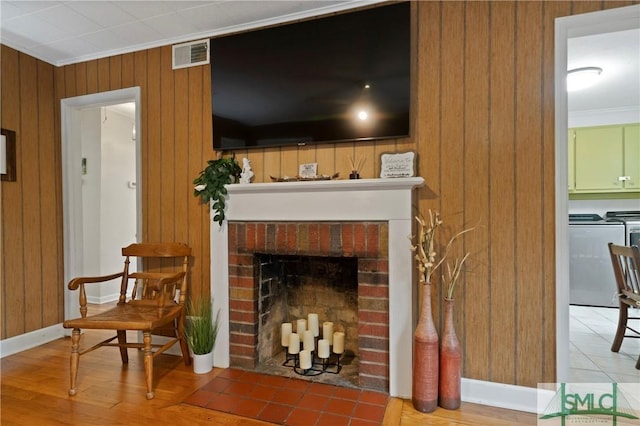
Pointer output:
x,y
604,159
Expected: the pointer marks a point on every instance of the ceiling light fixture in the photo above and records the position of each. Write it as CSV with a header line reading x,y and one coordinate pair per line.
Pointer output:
x,y
581,78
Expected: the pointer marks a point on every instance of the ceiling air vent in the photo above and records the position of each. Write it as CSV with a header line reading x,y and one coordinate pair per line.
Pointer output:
x,y
191,54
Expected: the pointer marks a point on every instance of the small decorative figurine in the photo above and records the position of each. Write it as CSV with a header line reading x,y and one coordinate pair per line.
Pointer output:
x,y
247,173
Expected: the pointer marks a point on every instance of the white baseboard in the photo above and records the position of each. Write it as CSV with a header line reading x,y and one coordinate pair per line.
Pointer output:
x,y
20,343
103,299
500,395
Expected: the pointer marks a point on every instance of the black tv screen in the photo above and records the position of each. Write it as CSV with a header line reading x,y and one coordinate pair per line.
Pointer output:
x,y
340,78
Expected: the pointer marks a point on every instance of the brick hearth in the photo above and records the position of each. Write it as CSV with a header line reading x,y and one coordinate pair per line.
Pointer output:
x,y
368,241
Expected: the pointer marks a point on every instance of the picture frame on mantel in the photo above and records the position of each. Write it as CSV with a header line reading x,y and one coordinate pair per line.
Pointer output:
x,y
7,155
398,165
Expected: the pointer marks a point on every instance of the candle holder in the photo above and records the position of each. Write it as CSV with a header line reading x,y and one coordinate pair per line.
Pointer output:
x,y
319,365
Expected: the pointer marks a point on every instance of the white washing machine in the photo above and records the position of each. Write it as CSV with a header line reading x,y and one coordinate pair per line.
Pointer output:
x,y
591,279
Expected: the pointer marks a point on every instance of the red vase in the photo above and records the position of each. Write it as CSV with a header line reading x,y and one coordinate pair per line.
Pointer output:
x,y
425,357
450,362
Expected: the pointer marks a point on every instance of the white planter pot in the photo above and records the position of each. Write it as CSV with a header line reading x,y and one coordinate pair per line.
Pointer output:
x,y
202,364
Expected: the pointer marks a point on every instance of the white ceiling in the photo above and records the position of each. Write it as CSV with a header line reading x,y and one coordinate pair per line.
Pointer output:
x,y
65,32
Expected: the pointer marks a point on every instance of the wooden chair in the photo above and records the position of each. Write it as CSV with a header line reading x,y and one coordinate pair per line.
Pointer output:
x,y
626,267
152,308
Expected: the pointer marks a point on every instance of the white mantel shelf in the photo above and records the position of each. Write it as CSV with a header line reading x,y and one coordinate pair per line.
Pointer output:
x,y
390,200
357,199
327,185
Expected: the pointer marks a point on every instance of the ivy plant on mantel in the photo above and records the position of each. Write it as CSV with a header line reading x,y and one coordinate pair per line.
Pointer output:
x,y
210,184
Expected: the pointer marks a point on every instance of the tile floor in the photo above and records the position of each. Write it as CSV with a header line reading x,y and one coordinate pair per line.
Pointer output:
x,y
290,401
591,334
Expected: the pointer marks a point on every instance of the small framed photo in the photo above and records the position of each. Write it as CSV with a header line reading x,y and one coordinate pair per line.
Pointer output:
x,y
308,171
398,165
8,155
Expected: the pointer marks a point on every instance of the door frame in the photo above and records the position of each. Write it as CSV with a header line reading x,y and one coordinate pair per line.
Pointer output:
x,y
611,20
72,183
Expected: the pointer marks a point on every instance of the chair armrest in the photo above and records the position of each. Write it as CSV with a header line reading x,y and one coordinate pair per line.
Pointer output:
x,y
76,282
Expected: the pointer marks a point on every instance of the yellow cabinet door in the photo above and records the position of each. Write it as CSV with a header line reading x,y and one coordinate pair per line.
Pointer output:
x,y
632,157
599,159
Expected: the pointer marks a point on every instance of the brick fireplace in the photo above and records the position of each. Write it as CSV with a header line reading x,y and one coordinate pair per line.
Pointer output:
x,y
367,241
370,219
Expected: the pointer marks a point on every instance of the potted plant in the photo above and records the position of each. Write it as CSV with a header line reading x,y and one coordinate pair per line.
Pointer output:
x,y
210,184
201,332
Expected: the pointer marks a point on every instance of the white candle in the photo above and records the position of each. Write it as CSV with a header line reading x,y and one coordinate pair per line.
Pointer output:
x,y
323,348
312,322
308,341
294,343
285,332
338,342
301,326
327,331
305,360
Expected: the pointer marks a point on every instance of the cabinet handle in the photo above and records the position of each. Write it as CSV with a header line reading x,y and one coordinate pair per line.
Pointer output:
x,y
624,178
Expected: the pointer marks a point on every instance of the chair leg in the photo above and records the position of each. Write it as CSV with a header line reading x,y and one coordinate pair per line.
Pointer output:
x,y
148,363
622,327
75,359
186,357
638,363
122,340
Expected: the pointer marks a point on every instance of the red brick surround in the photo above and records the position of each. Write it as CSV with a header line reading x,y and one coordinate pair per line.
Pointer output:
x,y
368,241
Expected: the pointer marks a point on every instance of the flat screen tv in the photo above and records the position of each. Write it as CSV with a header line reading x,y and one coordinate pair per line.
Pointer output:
x,y
333,79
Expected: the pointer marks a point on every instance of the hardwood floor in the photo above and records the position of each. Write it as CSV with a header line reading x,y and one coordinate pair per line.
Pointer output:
x,y
35,383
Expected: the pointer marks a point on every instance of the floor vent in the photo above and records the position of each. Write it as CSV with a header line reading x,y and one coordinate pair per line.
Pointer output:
x,y
190,54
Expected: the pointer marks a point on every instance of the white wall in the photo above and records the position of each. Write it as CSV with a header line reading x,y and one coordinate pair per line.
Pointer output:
x,y
90,135
108,196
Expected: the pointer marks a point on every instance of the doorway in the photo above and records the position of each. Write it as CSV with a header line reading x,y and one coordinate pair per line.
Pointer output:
x,y
81,177
606,21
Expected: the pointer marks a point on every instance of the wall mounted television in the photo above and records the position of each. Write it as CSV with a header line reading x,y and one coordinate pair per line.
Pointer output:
x,y
340,78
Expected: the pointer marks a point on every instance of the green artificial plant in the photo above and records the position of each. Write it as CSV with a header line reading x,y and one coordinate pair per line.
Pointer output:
x,y
210,184
202,329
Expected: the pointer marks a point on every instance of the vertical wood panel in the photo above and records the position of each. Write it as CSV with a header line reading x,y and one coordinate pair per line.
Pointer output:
x,y
196,127
476,290
429,48
48,202
70,80
528,158
30,177
452,130
152,163
502,192
272,165
128,61
289,161
183,190
168,147
12,201
115,72
81,79
103,75
92,76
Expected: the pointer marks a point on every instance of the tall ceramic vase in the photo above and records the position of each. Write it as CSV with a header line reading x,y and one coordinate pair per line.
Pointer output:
x,y
425,357
450,362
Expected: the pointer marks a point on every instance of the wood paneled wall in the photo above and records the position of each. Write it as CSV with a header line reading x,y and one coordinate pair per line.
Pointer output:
x,y
483,127
31,207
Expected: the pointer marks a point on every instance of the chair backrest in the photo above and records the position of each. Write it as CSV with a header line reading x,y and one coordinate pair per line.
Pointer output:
x,y
626,267
145,286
